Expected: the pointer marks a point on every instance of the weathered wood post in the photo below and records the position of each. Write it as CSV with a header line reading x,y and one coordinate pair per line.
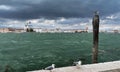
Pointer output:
x,y
95,23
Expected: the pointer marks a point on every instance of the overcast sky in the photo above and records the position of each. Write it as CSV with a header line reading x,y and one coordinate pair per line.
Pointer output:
x,y
59,13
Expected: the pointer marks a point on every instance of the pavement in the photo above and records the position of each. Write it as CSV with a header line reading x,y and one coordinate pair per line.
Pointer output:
x,y
113,66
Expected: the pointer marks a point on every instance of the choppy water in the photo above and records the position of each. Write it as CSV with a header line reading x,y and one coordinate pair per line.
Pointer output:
x,y
21,52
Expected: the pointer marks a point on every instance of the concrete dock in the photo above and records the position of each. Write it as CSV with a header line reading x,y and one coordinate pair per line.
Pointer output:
x,y
99,67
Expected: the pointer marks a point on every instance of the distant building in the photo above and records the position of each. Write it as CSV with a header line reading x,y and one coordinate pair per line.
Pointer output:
x,y
4,30
116,31
37,30
28,27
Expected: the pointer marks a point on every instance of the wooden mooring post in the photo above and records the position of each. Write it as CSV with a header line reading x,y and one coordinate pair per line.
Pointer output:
x,y
95,23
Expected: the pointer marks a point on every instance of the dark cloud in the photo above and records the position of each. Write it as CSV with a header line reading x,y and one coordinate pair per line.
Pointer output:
x,y
32,9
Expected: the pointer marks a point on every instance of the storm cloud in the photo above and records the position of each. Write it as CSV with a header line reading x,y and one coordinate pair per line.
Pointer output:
x,y
33,9
64,14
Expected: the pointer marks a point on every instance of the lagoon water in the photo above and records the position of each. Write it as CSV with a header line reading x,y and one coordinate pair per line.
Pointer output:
x,y
20,52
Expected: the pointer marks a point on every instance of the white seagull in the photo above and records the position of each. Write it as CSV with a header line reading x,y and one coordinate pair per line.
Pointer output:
x,y
78,64
50,67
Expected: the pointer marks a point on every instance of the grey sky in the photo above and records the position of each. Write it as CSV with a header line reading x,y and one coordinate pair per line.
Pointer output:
x,y
23,10
30,9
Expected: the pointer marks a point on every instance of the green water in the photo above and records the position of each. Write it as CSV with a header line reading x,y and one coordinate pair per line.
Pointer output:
x,y
22,52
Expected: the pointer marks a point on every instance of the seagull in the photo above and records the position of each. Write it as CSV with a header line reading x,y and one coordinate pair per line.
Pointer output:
x,y
50,67
78,64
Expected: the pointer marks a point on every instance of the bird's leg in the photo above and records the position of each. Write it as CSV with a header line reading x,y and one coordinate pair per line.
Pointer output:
x,y
51,71
78,66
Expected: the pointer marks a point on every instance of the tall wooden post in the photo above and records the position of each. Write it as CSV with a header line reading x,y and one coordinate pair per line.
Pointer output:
x,y
95,23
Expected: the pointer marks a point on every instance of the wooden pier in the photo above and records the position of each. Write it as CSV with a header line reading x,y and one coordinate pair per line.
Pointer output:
x,y
98,67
